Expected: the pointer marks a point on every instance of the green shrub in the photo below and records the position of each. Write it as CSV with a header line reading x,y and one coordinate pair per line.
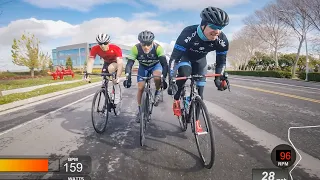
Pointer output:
x,y
276,74
315,76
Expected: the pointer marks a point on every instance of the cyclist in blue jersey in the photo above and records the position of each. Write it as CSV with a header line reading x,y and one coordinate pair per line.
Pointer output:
x,y
191,48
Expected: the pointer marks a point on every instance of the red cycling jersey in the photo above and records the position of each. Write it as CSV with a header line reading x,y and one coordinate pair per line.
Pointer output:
x,y
108,56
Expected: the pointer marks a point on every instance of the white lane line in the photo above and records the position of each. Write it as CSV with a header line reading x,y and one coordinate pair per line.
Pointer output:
x,y
275,83
299,127
38,118
262,137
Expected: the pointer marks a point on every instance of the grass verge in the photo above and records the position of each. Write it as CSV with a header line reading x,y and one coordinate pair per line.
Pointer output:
x,y
22,83
41,91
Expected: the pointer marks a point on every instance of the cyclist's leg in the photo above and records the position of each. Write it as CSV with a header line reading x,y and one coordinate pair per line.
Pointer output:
x,y
142,71
104,69
184,69
200,67
112,67
157,71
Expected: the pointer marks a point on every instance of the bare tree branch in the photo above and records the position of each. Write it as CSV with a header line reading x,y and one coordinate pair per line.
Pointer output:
x,y
295,13
269,28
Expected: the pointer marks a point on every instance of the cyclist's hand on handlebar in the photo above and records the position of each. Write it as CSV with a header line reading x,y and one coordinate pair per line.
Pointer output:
x,y
127,83
221,83
86,77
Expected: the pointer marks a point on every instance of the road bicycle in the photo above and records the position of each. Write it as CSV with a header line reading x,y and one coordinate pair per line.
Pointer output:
x,y
147,104
190,109
108,104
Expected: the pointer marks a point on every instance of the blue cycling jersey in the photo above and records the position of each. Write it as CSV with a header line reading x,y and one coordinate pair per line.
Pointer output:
x,y
193,45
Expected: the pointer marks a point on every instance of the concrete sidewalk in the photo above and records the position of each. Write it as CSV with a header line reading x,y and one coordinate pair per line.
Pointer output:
x,y
27,89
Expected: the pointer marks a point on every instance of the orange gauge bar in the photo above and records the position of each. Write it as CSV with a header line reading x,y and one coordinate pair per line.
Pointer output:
x,y
24,165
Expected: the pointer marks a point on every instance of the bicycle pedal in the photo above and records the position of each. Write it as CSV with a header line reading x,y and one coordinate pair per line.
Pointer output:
x,y
201,133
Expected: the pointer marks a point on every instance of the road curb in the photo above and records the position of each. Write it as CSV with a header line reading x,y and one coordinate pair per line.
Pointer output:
x,y
39,99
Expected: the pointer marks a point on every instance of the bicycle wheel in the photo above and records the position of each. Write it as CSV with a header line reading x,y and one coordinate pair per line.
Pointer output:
x,y
183,117
197,107
161,95
150,104
117,107
103,112
144,113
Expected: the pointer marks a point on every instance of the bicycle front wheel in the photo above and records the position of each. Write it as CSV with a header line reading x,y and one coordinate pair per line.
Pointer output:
x,y
201,130
144,114
99,111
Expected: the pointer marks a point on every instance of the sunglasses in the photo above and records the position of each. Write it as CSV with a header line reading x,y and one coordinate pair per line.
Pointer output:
x,y
146,44
103,43
215,27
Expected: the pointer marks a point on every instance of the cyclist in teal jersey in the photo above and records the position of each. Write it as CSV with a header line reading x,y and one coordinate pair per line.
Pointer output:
x,y
152,59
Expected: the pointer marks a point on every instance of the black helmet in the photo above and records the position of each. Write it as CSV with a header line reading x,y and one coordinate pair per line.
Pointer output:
x,y
215,16
146,36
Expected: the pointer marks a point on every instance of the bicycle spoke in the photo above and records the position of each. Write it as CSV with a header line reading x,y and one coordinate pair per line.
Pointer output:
x,y
203,129
99,124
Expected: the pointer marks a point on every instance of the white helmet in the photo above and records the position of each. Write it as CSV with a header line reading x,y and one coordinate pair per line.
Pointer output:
x,y
103,38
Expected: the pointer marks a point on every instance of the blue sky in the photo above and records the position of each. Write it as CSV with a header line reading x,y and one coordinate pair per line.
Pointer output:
x,y
122,10
62,22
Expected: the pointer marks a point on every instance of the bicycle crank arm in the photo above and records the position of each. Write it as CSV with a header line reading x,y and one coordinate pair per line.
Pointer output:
x,y
228,85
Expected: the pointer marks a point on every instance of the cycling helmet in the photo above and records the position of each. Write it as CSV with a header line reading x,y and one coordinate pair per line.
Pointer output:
x,y
103,38
215,16
146,36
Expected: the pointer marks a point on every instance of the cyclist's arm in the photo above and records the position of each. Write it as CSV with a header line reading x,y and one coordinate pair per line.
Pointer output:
x,y
92,56
180,47
221,54
132,57
163,61
119,61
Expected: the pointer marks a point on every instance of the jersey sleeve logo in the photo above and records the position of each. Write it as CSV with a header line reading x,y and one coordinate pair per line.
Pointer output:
x,y
189,38
222,43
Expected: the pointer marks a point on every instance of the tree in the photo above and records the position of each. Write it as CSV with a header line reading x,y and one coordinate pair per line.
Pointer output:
x,y
269,28
26,52
243,46
313,15
44,60
294,14
50,65
69,62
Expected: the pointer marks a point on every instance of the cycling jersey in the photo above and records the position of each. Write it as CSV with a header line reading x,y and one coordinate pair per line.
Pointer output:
x,y
192,44
108,56
149,59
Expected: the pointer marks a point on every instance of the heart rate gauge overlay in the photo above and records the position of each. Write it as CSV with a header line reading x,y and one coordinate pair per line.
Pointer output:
x,y
24,165
67,166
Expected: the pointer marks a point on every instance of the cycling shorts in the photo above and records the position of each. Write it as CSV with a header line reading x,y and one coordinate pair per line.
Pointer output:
x,y
107,65
187,68
145,70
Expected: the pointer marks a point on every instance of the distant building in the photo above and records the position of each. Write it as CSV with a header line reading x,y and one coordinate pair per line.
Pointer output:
x,y
79,53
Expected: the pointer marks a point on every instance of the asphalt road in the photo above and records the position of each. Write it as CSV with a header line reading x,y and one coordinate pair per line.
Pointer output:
x,y
249,122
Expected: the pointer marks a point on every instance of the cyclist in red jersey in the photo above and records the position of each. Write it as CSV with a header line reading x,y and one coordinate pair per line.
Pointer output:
x,y
110,53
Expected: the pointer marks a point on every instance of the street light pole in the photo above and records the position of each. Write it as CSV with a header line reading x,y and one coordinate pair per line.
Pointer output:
x,y
307,59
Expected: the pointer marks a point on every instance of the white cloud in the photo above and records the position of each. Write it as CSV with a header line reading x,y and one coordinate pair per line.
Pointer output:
x,y
58,33
144,15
